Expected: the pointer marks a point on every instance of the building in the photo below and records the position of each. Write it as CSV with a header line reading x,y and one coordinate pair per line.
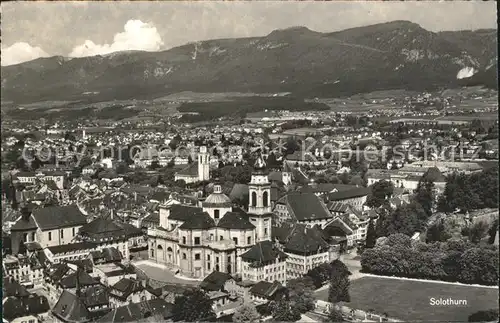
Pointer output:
x,y
302,207
107,232
264,262
32,308
355,197
304,246
48,226
199,240
196,172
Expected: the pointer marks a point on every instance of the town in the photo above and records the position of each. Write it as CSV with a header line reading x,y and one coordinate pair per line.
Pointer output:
x,y
140,185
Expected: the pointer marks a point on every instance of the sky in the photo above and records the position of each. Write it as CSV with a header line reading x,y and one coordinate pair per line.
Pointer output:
x,y
77,29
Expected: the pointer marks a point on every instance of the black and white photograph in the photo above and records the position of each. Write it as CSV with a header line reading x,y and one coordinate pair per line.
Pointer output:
x,y
249,161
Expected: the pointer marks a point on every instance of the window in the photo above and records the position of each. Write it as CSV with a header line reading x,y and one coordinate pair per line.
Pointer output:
x,y
211,236
50,236
183,256
73,231
217,259
208,266
265,231
228,258
265,198
235,241
33,236
221,238
183,240
197,256
208,257
196,240
152,253
216,214
249,240
254,199
62,233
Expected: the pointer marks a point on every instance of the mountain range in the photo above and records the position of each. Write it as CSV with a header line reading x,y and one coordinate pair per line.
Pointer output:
x,y
394,55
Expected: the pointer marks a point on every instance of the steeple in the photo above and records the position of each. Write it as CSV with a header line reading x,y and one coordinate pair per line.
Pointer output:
x,y
259,208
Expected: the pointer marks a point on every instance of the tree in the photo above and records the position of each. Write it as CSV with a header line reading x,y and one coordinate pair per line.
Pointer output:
x,y
479,266
371,235
335,315
484,316
437,232
300,292
283,311
246,313
477,231
380,192
320,274
193,305
492,232
339,283
425,196
406,219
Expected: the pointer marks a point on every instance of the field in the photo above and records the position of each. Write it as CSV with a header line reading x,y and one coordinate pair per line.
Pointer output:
x,y
410,300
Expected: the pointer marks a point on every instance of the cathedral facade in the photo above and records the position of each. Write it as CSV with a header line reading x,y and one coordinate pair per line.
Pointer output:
x,y
196,241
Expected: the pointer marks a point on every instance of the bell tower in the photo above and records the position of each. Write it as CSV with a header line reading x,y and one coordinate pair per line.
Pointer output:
x,y
259,200
203,164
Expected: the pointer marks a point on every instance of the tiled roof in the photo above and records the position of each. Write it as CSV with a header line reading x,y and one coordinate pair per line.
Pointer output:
x,y
70,309
191,171
24,224
215,281
63,248
56,217
182,212
263,251
127,286
305,206
21,307
95,296
348,194
299,238
235,220
338,207
134,312
266,289
84,279
198,221
11,287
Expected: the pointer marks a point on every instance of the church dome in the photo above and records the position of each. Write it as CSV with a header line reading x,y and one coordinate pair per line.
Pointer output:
x,y
217,198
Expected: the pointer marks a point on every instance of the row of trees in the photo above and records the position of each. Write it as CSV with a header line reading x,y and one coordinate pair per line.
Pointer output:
x,y
467,192
453,260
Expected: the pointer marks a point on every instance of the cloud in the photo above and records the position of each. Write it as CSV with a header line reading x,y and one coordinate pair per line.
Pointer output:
x,y
137,35
21,52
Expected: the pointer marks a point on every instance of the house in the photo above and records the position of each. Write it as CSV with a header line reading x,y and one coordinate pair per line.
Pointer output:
x,y
304,208
154,310
264,291
107,232
110,273
264,261
32,308
355,197
129,290
71,251
304,246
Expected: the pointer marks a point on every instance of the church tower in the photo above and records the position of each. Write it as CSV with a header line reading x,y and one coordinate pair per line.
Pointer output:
x,y
259,208
203,164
